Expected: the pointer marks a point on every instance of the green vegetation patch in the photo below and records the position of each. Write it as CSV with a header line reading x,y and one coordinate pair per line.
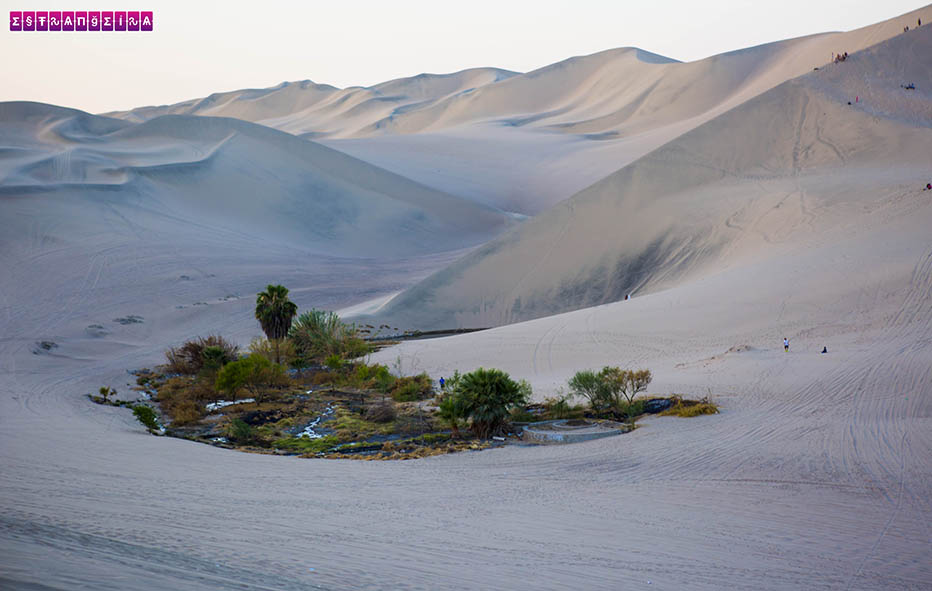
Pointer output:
x,y
690,408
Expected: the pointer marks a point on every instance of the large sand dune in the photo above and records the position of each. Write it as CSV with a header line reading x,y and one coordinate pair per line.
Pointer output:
x,y
523,142
791,215
240,176
774,173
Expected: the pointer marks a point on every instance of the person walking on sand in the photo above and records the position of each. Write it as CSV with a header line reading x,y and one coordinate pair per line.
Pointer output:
x,y
786,344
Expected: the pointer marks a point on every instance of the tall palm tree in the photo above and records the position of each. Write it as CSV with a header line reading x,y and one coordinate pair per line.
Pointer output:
x,y
275,311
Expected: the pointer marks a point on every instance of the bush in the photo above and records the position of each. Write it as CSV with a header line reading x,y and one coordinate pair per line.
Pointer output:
x,y
485,397
318,334
146,415
333,362
106,392
411,388
630,410
239,431
628,382
520,414
255,374
590,385
188,359
451,412
183,398
610,391
382,412
690,408
560,408
186,412
384,380
266,348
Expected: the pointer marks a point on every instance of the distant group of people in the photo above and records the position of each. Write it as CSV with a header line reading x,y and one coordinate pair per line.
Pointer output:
x,y
918,24
786,346
840,57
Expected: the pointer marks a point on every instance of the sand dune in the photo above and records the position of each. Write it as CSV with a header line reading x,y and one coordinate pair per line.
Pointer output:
x,y
317,110
238,175
524,142
773,171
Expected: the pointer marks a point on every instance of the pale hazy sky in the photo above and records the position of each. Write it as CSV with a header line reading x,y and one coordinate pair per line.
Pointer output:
x,y
199,47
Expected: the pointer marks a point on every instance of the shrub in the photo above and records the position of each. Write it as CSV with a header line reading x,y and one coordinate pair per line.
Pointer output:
x,y
560,408
612,390
630,410
451,412
485,397
382,412
411,388
318,334
240,431
590,385
690,408
333,362
106,392
520,414
255,374
183,398
266,348
188,359
384,380
324,377
628,382
187,411
363,372
146,415
348,425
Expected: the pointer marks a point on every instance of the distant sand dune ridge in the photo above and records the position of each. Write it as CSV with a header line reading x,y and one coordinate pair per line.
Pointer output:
x,y
764,179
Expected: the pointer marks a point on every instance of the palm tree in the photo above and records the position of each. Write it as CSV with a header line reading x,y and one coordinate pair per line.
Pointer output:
x,y
275,311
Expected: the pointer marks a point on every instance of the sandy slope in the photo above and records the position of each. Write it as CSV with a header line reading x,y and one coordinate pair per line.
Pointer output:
x,y
523,142
243,177
315,110
782,168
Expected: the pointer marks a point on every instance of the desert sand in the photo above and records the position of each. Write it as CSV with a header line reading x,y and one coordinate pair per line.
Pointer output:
x,y
785,213
786,171
523,142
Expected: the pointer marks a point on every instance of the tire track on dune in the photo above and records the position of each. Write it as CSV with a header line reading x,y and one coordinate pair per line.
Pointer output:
x,y
599,343
880,420
551,343
886,527
552,333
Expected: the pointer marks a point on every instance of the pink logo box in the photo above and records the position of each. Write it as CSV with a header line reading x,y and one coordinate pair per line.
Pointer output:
x,y
68,21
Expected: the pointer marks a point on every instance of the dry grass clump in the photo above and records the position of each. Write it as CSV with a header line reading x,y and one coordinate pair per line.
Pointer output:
x,y
381,412
690,408
189,359
267,349
412,388
183,399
